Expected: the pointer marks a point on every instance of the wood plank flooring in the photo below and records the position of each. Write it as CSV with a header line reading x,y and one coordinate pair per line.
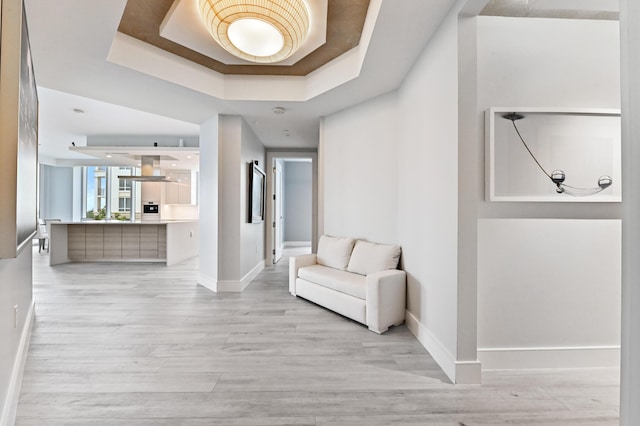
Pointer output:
x,y
142,344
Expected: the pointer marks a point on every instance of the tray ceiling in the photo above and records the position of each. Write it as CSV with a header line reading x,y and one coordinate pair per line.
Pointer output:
x,y
142,20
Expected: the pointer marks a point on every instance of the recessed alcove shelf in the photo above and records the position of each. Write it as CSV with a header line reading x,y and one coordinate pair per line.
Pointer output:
x,y
584,143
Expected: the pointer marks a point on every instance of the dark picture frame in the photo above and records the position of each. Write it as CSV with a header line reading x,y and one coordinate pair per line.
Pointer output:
x,y
257,188
18,132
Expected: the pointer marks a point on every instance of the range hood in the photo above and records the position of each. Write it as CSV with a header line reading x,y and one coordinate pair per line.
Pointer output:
x,y
150,171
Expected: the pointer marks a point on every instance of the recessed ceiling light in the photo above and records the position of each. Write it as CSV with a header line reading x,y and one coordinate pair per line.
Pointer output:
x,y
173,165
78,111
108,155
279,110
188,156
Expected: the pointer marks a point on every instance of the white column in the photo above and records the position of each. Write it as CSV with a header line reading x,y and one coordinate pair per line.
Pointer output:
x,y
208,242
630,70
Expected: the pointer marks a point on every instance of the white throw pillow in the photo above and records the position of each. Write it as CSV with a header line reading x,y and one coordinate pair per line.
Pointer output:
x,y
334,252
368,258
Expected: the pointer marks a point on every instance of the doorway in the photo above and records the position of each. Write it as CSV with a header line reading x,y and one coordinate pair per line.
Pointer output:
x,y
291,211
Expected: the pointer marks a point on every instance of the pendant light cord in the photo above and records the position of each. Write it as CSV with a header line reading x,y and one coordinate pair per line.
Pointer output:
x,y
529,151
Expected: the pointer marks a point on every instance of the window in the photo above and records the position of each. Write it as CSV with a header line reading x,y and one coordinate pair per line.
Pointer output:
x,y
124,204
108,197
95,195
124,184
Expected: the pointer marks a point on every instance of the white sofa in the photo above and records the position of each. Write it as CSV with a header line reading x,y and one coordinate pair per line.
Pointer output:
x,y
355,278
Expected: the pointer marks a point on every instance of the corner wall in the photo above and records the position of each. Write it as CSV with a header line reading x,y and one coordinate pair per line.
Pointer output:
x,y
208,197
252,234
240,244
390,174
630,69
548,273
428,200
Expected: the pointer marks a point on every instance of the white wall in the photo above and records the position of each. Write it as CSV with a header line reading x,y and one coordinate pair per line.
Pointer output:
x,y
428,199
630,368
361,179
563,259
56,193
390,174
297,200
252,234
208,197
240,244
143,140
229,184
549,289
15,289
439,178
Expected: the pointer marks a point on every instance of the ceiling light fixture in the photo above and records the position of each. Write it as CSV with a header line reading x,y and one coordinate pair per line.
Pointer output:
x,y
278,110
260,31
558,176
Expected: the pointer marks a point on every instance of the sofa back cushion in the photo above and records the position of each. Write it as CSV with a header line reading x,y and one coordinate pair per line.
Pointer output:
x,y
334,252
369,257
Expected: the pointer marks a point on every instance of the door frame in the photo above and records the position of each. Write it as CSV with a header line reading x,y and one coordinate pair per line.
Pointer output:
x,y
285,154
278,208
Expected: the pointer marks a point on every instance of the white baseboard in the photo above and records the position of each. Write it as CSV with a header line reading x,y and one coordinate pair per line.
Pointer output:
x,y
549,357
13,393
459,372
208,282
287,244
231,286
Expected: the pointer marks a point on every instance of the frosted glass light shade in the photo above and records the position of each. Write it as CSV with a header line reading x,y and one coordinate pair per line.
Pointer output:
x,y
255,37
233,23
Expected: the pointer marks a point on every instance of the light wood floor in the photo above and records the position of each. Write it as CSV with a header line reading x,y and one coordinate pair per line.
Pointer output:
x,y
142,344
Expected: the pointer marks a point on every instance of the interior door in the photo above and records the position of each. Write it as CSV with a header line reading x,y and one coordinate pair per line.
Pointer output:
x,y
278,216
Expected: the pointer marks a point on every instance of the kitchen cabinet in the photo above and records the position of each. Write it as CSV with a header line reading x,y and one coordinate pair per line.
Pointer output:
x,y
183,190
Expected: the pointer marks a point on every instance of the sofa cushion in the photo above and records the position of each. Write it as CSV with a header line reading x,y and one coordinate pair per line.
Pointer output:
x,y
345,282
368,258
334,252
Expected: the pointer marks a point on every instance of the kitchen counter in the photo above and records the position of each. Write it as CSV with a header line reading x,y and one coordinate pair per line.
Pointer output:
x,y
164,241
126,222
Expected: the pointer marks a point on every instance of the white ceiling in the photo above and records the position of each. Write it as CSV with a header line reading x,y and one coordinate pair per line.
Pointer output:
x,y
66,119
70,42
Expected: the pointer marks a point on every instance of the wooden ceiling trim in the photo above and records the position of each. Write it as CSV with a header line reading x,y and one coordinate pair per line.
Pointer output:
x,y
345,19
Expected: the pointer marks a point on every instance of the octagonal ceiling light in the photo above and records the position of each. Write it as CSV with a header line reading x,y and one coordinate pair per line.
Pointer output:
x,y
260,31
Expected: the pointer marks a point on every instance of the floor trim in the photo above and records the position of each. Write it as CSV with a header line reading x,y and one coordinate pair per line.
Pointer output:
x,y
431,343
13,393
207,282
232,286
459,372
550,357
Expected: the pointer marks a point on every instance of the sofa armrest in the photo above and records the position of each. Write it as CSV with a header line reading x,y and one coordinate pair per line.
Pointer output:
x,y
386,299
295,263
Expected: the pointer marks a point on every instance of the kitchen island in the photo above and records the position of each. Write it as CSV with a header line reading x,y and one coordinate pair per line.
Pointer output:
x,y
167,242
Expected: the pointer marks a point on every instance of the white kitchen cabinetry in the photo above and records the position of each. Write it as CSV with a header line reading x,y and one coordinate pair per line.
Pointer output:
x,y
183,190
